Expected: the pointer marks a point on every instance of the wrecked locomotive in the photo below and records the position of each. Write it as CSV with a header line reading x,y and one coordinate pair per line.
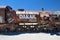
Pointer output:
x,y
21,20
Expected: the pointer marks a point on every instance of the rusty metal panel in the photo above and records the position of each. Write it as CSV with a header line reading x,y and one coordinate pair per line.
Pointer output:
x,y
2,15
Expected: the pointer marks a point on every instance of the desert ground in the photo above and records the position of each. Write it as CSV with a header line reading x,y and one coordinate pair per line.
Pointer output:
x,y
30,36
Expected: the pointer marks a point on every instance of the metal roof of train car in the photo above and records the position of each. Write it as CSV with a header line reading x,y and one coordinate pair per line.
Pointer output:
x,y
5,7
26,12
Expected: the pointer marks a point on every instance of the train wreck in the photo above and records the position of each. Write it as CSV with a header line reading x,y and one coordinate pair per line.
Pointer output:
x,y
28,21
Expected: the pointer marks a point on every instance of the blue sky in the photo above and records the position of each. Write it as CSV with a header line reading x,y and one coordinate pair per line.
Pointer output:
x,y
32,4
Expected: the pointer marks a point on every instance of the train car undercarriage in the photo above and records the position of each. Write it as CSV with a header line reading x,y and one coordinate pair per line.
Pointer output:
x,y
29,28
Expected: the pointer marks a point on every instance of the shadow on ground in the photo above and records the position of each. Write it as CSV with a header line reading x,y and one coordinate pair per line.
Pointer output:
x,y
18,33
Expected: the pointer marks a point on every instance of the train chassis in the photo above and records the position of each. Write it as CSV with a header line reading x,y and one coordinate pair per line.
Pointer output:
x,y
29,28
